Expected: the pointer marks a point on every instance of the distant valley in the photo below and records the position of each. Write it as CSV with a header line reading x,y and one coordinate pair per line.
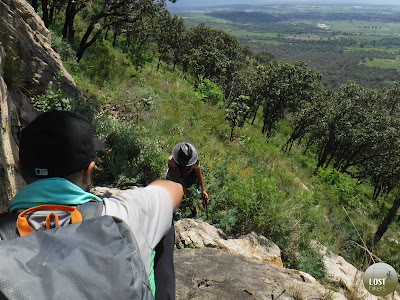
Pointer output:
x,y
342,40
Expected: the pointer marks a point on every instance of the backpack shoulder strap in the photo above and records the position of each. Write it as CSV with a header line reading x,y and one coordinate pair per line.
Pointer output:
x,y
90,210
8,227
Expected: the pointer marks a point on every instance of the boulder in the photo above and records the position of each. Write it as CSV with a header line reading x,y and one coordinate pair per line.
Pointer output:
x,y
211,273
199,234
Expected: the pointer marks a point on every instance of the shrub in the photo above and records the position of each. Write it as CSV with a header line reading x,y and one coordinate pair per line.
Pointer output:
x,y
130,159
208,91
340,186
53,99
150,164
13,66
64,49
312,263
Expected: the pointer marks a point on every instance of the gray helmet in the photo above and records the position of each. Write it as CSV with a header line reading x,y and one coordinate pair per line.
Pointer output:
x,y
185,154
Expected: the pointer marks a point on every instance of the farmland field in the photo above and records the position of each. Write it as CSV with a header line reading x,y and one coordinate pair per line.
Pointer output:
x,y
341,42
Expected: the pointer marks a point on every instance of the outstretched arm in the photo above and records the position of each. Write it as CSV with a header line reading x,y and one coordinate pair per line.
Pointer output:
x,y
173,189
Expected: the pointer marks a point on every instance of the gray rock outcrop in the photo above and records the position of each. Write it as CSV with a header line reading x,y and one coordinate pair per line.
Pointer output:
x,y
249,267
209,265
211,273
27,65
199,234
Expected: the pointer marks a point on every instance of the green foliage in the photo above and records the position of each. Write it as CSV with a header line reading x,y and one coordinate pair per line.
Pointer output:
x,y
292,35
13,66
53,99
355,127
212,53
138,55
281,87
252,184
64,49
150,164
341,186
170,38
121,139
132,158
208,91
121,16
100,63
236,113
312,263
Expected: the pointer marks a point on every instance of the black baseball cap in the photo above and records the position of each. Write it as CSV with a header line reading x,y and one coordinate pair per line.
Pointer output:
x,y
57,144
185,154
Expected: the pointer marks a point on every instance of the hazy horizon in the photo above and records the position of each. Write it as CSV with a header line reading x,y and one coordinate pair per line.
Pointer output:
x,y
196,3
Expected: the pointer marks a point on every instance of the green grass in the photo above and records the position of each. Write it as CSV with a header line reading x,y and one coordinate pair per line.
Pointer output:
x,y
384,63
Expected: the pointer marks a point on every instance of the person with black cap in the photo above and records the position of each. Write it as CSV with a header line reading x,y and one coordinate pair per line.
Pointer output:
x,y
184,168
56,159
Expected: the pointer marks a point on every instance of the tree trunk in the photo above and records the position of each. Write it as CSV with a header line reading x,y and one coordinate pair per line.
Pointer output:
x,y
70,13
387,220
232,129
106,34
159,62
45,11
254,119
84,44
114,43
35,5
68,16
51,14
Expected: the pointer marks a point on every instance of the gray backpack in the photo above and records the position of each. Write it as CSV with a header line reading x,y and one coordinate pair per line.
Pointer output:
x,y
97,258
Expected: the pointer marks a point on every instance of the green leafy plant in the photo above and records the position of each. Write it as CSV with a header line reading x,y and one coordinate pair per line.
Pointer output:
x,y
208,91
312,263
53,99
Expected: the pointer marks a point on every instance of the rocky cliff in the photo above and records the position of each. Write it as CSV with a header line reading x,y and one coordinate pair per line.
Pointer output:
x,y
27,65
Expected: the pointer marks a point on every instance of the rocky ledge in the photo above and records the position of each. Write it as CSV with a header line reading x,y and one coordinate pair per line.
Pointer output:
x,y
209,265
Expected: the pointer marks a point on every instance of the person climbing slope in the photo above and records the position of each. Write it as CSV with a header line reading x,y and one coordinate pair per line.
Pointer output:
x,y
184,168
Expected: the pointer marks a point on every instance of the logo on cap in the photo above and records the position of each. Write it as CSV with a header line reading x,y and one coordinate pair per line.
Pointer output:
x,y
41,172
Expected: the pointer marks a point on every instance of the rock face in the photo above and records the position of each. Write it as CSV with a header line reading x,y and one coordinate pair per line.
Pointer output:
x,y
211,273
340,272
198,234
27,65
249,267
209,265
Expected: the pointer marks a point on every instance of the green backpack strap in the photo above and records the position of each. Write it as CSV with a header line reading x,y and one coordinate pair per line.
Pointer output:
x,y
8,227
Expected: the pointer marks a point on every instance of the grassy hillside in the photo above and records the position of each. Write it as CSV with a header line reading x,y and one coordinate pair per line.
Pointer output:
x,y
252,183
